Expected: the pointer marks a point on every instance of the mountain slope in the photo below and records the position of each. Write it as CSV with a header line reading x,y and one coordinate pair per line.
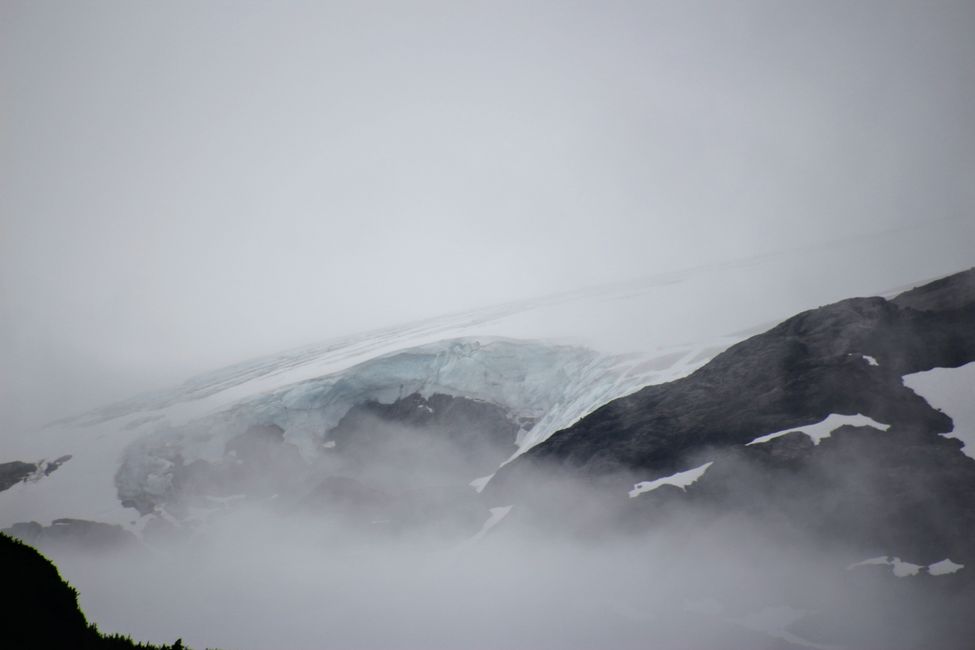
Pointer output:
x,y
891,483
801,488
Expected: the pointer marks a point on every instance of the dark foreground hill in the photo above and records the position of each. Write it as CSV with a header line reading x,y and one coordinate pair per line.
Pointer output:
x,y
41,609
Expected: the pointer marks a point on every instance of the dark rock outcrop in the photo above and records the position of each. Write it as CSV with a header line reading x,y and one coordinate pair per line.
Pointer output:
x,y
905,490
17,471
408,463
862,492
475,436
14,472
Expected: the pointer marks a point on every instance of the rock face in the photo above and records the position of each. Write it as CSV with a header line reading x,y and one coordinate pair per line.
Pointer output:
x,y
807,438
409,463
14,472
19,471
384,466
796,374
903,490
415,432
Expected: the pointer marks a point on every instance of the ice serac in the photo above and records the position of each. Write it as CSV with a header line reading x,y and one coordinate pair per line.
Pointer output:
x,y
513,393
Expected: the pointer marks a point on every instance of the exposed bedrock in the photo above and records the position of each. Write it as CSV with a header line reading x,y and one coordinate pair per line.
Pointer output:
x,y
904,488
17,471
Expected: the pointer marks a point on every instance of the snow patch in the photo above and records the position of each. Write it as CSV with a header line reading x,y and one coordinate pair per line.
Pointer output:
x,y
944,567
899,567
952,391
903,569
497,514
824,428
680,479
479,483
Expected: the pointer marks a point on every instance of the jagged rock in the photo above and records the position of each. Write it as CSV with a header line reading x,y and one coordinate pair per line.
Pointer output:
x,y
14,472
18,471
947,294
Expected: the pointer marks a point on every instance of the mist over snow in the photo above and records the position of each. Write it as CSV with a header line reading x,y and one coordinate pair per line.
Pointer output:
x,y
305,309
255,579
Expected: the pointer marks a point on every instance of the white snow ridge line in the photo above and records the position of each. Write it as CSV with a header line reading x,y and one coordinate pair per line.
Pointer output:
x,y
680,479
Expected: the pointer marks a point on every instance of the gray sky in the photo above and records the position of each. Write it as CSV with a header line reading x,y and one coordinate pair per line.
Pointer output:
x,y
187,184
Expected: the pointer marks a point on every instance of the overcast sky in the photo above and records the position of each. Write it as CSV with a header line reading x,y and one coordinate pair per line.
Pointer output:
x,y
187,184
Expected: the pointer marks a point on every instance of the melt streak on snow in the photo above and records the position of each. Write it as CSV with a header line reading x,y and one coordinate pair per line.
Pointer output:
x,y
680,479
825,427
952,391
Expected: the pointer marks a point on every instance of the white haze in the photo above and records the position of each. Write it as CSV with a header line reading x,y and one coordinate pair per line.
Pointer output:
x,y
183,185
245,588
257,578
278,572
